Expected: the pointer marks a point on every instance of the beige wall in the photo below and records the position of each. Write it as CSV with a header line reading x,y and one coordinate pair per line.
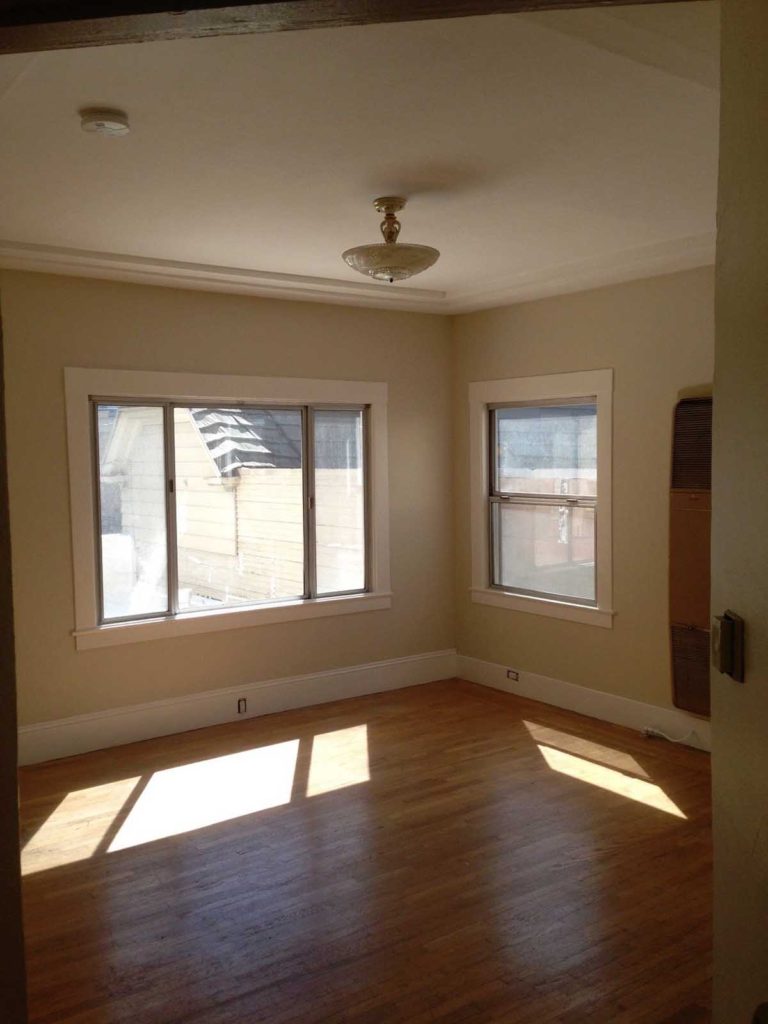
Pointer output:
x,y
740,518
52,322
657,334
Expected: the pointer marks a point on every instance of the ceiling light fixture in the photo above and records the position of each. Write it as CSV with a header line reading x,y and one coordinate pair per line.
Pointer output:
x,y
390,260
97,121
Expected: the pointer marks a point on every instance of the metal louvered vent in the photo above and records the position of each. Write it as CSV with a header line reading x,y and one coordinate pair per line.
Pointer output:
x,y
692,445
690,668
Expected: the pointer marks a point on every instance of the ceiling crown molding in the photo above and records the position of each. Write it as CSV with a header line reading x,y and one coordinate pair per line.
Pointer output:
x,y
175,274
613,268
543,282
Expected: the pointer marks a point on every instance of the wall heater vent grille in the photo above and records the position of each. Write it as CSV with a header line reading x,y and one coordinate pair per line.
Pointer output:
x,y
692,450
690,667
689,532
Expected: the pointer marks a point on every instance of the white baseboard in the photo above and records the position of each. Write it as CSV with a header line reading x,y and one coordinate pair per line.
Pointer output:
x,y
63,737
45,741
595,703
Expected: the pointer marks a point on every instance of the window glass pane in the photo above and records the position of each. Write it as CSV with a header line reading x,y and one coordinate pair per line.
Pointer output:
x,y
547,549
549,449
134,564
339,500
239,506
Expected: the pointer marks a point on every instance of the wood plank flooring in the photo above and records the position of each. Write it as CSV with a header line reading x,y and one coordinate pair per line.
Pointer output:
x,y
443,853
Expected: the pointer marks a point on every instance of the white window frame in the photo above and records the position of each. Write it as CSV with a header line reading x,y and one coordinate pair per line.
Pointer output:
x,y
82,385
548,388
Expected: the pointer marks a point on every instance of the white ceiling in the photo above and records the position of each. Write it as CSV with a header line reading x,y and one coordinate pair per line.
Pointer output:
x,y
540,153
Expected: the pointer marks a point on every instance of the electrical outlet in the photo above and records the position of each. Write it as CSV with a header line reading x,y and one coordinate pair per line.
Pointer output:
x,y
242,706
513,674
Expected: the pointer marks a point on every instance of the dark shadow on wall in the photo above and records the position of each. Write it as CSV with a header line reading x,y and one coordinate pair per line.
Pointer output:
x,y
12,980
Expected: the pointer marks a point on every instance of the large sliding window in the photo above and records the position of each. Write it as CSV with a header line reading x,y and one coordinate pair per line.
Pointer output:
x,y
224,506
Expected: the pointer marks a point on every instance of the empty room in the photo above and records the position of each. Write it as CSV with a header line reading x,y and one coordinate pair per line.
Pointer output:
x,y
380,553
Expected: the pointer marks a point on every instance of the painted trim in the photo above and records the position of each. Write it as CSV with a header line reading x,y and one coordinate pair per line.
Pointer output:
x,y
543,606
52,259
66,736
228,618
532,389
596,272
542,282
81,384
608,707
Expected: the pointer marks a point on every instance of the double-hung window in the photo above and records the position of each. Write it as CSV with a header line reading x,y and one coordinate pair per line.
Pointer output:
x,y
205,506
543,499
541,505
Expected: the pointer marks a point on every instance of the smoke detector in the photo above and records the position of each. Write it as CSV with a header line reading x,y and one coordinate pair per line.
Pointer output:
x,y
104,122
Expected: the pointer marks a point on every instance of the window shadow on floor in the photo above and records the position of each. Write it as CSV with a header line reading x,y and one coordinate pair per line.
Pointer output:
x,y
442,853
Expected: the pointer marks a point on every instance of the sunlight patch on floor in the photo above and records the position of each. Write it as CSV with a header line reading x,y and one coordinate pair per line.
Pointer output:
x,y
339,759
203,793
581,747
76,828
194,796
609,779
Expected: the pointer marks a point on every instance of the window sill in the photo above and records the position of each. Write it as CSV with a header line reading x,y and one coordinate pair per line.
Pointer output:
x,y
231,618
543,606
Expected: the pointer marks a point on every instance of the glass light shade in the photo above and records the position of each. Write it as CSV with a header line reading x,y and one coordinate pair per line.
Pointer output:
x,y
391,261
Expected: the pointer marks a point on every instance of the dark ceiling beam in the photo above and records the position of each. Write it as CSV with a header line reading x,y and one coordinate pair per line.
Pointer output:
x,y
26,27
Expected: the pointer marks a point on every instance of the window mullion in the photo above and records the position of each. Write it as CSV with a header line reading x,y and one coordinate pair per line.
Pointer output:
x,y
310,532
172,547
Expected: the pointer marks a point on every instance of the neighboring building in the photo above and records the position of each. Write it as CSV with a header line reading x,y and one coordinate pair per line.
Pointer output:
x,y
239,487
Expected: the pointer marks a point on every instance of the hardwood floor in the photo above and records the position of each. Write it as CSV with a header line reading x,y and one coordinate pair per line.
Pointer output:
x,y
505,862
